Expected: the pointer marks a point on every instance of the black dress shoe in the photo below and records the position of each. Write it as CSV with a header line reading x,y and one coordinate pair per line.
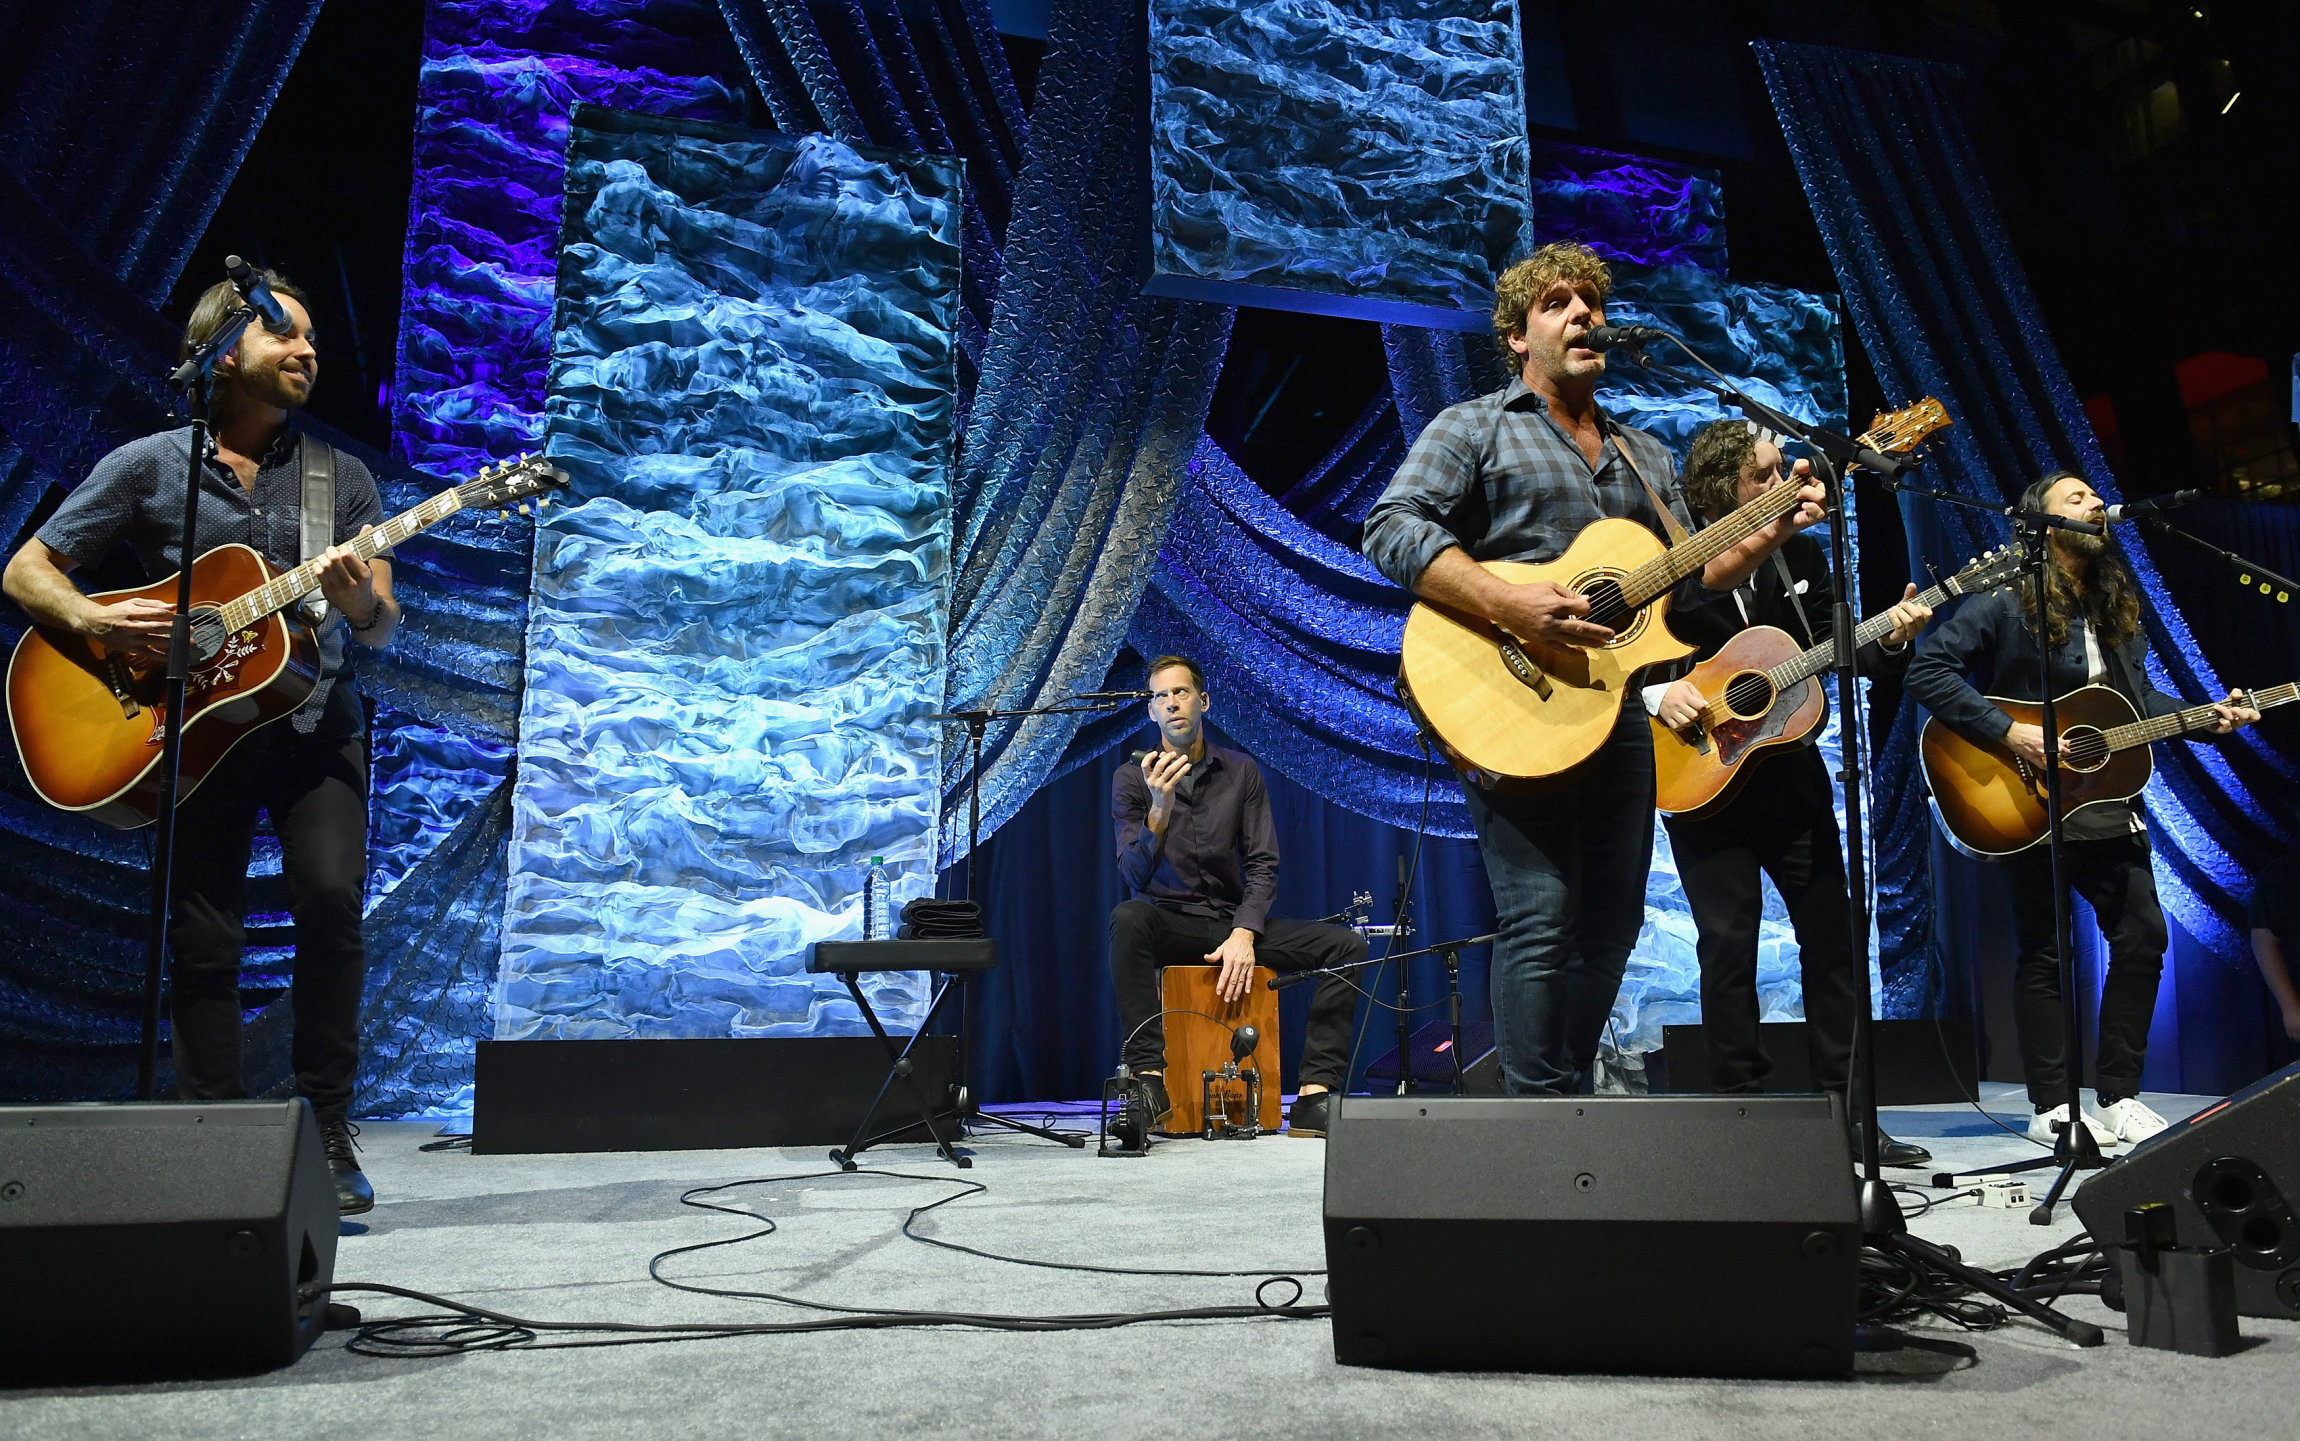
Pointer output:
x,y
1311,1116
352,1192
1891,1152
1154,1090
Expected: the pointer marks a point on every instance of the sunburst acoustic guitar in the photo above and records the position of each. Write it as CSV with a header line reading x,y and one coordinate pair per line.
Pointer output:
x,y
1761,692
89,722
1990,802
1521,710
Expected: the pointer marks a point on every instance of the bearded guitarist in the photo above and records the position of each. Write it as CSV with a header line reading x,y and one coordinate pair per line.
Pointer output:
x,y
1783,822
310,770
1988,647
1516,475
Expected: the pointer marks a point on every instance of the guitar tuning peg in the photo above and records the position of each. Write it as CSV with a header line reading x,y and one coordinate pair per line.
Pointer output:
x,y
503,515
523,510
543,500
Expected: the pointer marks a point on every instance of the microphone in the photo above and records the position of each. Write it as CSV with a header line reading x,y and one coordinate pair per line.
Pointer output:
x,y
1112,695
2140,508
259,296
1606,337
1242,1042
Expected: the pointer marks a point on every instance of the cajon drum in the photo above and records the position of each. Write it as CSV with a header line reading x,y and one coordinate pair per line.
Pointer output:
x,y
1196,1045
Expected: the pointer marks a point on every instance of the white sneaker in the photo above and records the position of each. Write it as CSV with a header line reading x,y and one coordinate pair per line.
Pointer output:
x,y
2044,1128
2131,1120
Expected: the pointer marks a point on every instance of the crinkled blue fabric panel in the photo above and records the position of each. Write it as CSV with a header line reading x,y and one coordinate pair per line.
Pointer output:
x,y
1092,401
738,625
1360,149
1943,308
1629,207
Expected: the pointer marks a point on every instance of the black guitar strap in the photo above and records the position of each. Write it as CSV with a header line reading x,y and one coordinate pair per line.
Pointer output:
x,y
318,515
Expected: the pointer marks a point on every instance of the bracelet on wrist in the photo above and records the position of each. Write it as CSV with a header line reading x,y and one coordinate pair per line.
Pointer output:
x,y
374,618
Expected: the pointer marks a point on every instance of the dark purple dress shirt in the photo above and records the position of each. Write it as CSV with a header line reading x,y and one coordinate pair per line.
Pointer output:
x,y
1219,856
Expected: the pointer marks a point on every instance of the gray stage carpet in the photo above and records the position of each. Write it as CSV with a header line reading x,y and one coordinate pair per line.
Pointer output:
x,y
570,1237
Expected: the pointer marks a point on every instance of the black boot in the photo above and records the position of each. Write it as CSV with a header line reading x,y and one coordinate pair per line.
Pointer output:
x,y
1311,1116
352,1192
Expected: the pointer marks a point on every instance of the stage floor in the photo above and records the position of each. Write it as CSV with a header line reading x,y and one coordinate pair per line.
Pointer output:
x,y
569,1237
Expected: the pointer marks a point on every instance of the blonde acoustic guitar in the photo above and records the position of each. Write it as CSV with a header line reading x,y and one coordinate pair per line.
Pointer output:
x,y
1521,710
89,722
1990,802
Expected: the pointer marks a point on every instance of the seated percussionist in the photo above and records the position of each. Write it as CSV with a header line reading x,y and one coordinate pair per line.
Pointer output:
x,y
1199,855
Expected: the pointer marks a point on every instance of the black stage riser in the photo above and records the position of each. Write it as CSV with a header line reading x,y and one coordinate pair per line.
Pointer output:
x,y
648,1095
2231,1174
1710,1236
152,1242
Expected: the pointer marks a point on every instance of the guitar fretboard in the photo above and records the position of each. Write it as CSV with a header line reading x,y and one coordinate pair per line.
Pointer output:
x,y
2195,718
1820,657
1673,567
285,589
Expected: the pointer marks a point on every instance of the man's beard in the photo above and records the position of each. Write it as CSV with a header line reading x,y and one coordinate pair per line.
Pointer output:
x,y
271,386
2082,546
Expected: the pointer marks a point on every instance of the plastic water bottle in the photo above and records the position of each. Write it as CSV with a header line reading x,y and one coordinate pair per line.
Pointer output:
x,y
874,887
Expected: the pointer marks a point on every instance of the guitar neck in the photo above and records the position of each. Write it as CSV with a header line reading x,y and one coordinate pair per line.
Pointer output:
x,y
1820,657
2194,718
283,590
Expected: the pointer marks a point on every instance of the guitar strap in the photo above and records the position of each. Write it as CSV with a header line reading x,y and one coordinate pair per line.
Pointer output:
x,y
318,515
1669,525
1796,602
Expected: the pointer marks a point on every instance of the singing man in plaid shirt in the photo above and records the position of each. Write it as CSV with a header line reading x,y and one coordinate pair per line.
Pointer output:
x,y
1516,475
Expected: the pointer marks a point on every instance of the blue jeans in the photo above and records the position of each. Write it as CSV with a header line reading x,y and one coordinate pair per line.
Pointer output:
x,y
1567,862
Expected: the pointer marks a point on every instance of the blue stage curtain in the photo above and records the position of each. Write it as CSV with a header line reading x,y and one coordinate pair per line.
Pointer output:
x,y
128,120
1943,308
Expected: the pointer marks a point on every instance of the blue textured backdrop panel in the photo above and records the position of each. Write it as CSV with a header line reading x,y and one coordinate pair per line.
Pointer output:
x,y
1358,157
736,627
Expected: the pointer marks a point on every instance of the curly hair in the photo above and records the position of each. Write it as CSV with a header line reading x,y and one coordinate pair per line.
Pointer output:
x,y
1530,279
1711,478
2110,599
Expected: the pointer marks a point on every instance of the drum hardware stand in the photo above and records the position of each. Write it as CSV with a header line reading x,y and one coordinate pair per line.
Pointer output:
x,y
1215,1092
1883,1227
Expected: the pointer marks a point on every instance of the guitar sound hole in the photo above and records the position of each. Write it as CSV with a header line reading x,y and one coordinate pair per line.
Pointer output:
x,y
1607,606
208,636
1749,694
2087,749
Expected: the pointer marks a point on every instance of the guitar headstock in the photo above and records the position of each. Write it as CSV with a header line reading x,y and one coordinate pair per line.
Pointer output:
x,y
511,483
1900,431
1987,571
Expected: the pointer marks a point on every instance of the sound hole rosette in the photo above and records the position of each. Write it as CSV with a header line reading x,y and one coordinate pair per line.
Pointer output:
x,y
1608,607
1749,694
2087,748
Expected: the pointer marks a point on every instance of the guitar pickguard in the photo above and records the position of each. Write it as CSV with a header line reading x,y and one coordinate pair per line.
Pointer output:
x,y
1736,738
219,676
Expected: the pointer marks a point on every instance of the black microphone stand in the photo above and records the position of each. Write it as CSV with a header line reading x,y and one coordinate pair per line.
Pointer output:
x,y
977,721
2249,574
195,379
1447,951
1883,1227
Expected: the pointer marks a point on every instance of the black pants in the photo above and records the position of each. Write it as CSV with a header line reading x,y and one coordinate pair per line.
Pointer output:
x,y
2114,878
1782,824
1145,938
1567,862
316,793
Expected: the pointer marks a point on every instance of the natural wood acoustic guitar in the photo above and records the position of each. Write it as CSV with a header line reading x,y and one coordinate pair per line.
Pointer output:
x,y
1760,692
1990,802
1515,709
89,722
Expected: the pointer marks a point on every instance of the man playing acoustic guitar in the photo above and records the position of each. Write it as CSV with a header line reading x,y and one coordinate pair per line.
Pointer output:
x,y
2092,621
1781,821
1516,475
309,771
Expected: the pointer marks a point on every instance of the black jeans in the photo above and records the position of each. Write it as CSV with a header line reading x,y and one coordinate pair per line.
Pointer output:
x,y
2114,878
1144,938
1781,824
1567,862
316,792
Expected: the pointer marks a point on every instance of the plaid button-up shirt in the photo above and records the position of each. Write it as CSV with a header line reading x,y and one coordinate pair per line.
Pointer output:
x,y
1502,480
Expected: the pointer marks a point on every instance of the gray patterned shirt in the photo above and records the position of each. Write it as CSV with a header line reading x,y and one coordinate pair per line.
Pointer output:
x,y
135,497
1502,480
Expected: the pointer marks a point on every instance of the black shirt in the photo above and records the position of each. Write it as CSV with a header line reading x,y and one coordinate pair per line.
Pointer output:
x,y
2275,904
135,497
1219,856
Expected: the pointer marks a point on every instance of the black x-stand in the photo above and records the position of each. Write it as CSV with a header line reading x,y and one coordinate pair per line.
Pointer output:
x,y
194,380
1883,1227
977,722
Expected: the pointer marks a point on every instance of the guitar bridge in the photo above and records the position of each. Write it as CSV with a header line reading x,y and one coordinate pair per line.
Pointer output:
x,y
1521,665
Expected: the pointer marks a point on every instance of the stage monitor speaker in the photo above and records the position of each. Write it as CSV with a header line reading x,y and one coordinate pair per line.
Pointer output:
x,y
146,1242
2231,1174
1702,1236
